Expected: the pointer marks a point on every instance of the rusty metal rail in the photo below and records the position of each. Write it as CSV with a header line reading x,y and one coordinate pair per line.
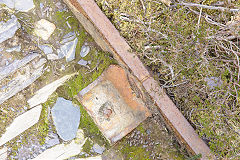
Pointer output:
x,y
109,39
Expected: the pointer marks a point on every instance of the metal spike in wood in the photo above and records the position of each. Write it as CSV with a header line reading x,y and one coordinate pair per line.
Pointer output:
x,y
108,38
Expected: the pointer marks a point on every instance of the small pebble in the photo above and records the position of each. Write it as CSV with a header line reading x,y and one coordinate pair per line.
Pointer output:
x,y
84,50
82,62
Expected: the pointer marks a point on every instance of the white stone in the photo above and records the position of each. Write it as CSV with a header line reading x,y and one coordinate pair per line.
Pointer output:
x,y
63,151
52,57
42,95
21,123
8,29
21,5
3,153
44,29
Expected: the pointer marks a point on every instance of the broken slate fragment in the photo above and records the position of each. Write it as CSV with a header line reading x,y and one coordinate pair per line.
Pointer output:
x,y
68,50
8,29
20,5
16,49
84,50
66,118
44,29
46,49
42,95
21,123
61,151
213,82
98,149
52,56
68,37
82,62
52,142
30,73
7,70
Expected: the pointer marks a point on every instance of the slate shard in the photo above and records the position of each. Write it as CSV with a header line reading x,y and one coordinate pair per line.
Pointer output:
x,y
84,50
8,29
67,50
66,118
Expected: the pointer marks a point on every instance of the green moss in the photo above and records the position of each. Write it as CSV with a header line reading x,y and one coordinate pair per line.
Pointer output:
x,y
134,152
87,146
141,129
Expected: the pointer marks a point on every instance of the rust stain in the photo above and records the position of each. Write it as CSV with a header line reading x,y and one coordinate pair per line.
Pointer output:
x,y
112,104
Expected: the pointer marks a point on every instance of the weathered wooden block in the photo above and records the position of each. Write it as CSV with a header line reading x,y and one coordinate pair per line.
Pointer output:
x,y
112,104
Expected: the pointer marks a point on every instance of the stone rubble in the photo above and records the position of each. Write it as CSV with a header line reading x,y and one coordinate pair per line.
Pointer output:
x,y
64,151
98,149
44,29
11,68
46,49
31,73
8,29
16,49
66,118
21,123
42,95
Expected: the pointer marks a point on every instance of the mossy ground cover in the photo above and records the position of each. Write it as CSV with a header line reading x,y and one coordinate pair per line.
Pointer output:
x,y
185,47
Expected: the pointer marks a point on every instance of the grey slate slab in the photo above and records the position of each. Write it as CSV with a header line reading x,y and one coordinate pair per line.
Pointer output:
x,y
66,118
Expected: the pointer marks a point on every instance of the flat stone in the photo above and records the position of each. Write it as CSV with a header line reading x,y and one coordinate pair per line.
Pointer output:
x,y
112,103
16,49
52,142
21,5
26,77
66,118
8,29
52,57
21,123
7,70
42,95
98,149
213,82
68,37
44,29
62,151
46,49
82,62
67,50
84,50
3,153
